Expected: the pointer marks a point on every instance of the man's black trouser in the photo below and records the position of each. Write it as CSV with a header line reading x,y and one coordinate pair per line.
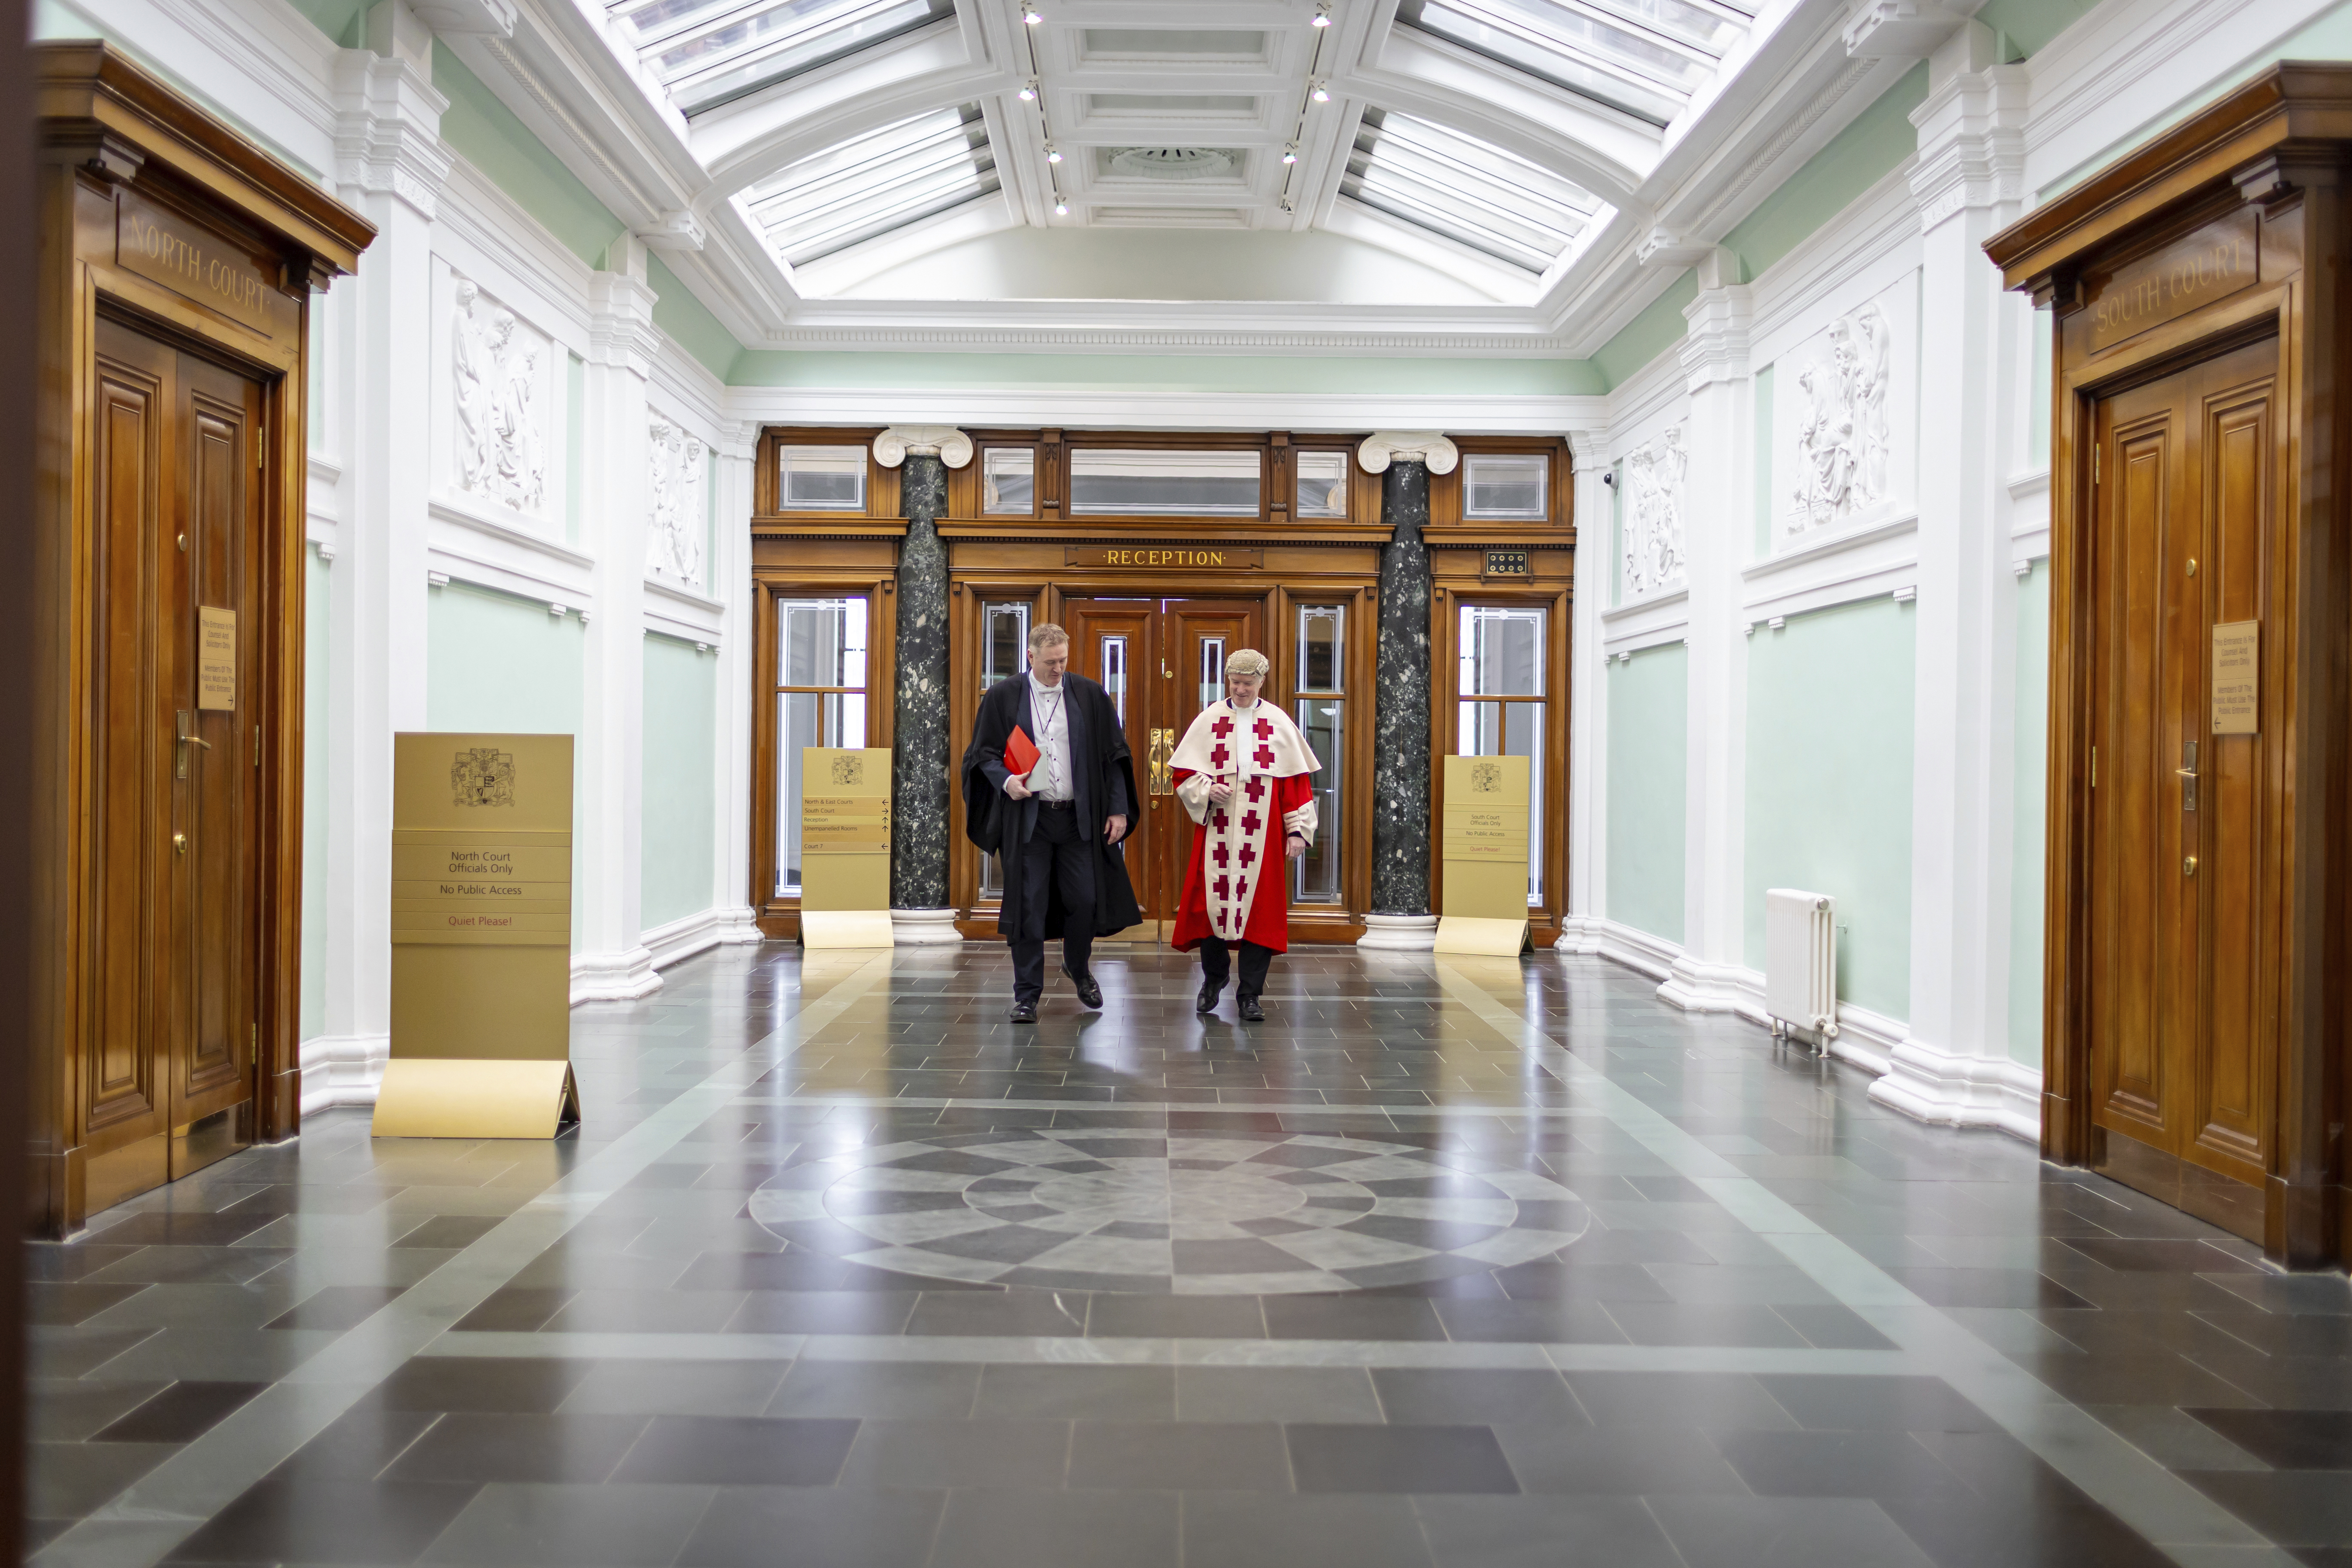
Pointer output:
x,y
1060,850
1216,964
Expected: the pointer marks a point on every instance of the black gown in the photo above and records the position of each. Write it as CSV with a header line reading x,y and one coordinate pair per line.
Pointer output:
x,y
1105,786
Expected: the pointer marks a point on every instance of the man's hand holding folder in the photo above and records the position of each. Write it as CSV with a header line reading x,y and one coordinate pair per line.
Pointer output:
x,y
1020,757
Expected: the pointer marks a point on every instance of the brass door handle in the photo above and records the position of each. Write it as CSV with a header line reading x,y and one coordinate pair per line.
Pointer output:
x,y
179,843
1163,747
183,722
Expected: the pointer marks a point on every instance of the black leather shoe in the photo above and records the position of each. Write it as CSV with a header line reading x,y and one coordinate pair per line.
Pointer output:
x,y
1251,1012
1088,991
1023,1012
1208,1001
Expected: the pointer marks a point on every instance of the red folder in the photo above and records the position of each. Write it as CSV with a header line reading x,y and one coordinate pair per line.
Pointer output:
x,y
1020,753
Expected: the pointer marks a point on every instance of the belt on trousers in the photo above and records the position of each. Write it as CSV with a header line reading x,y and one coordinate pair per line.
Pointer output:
x,y
1057,805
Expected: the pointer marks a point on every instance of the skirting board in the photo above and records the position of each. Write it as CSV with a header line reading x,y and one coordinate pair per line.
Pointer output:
x,y
1989,1093
431,1096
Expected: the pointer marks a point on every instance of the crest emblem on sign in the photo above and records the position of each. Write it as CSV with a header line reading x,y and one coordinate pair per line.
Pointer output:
x,y
1486,778
849,770
483,775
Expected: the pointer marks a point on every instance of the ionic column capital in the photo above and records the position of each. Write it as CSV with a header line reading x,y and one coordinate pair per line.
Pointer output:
x,y
1382,447
945,442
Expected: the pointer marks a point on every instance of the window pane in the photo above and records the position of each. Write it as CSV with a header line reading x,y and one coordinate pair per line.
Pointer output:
x,y
1317,876
1003,642
1502,651
873,183
1213,669
1320,665
806,718
1163,484
1009,481
821,642
1465,190
1512,730
1512,487
1114,673
823,479
1322,484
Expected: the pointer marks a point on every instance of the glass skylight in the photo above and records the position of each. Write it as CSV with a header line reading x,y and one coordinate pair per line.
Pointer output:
x,y
1458,187
1647,57
889,179
704,52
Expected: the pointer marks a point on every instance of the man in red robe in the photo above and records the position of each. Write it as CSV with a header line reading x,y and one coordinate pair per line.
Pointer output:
x,y
1242,775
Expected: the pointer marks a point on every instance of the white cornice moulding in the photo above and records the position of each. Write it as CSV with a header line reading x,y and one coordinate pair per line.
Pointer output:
x,y
1866,562
1654,622
2029,520
1084,408
491,556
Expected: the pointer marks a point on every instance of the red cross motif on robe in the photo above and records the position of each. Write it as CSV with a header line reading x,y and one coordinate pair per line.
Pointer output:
x,y
1249,855
1218,757
1263,756
1250,822
1219,853
1222,888
1257,787
1222,728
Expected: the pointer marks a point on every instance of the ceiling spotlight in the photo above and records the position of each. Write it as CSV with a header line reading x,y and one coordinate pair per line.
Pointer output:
x,y
1290,154
1323,15
1052,154
1031,14
1029,91
1318,93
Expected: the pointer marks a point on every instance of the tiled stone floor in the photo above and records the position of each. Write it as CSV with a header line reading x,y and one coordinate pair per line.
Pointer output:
x,y
1782,1326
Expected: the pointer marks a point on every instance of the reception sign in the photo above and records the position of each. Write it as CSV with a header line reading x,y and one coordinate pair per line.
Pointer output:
x,y
845,847
1485,856
481,938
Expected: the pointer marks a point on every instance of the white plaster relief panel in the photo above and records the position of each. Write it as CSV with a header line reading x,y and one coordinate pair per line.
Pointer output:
x,y
673,545
1845,419
501,391
1655,476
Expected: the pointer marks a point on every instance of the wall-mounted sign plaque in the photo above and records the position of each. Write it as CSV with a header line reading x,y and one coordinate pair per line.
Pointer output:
x,y
2237,677
2220,259
215,657
1166,557
165,248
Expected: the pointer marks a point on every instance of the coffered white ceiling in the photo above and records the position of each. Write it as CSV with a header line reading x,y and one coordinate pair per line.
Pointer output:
x,y
1484,175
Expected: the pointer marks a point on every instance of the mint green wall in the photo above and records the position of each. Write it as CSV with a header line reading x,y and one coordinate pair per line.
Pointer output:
x,y
317,591
680,842
2032,750
1762,462
1648,743
1829,786
689,321
1857,157
493,663
2025,26
575,444
345,21
1167,373
487,134
1658,328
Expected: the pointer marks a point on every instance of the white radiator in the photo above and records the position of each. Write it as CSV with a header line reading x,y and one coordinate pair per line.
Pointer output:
x,y
1800,960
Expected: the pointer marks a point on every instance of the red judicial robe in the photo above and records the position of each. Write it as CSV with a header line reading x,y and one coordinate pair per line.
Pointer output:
x,y
1237,886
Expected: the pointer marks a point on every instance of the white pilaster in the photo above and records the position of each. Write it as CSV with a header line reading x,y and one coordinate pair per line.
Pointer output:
x,y
1587,867
609,959
389,166
732,581
1953,1067
1718,504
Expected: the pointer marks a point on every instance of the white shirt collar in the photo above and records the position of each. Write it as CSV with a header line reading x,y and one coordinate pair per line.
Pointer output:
x,y
1240,707
1037,685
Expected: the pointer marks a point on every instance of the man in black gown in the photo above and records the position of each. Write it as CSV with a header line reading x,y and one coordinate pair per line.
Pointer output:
x,y
1057,829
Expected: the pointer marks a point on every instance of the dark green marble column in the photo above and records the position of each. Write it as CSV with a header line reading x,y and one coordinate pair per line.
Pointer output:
x,y
918,772
1401,700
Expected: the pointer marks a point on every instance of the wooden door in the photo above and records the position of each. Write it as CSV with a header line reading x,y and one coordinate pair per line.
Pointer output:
x,y
1162,660
2184,876
167,1083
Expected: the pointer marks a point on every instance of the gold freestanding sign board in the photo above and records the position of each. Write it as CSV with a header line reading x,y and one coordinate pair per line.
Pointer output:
x,y
1486,857
845,848
481,938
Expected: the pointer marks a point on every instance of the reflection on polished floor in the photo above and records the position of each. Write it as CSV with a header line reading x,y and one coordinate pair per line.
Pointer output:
x,y
1447,1263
